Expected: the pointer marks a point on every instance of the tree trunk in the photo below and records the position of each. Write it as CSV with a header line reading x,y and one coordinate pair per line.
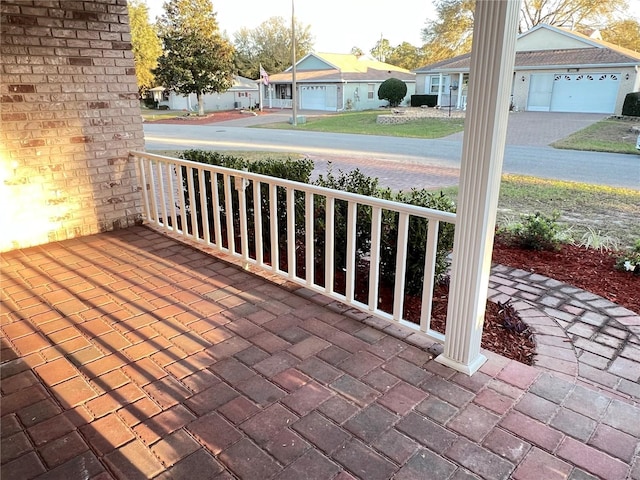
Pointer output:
x,y
200,103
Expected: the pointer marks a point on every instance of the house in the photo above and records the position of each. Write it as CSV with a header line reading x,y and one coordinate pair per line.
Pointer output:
x,y
243,93
335,82
556,70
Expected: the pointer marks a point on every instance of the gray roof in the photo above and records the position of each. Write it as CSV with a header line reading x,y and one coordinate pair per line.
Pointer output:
x,y
542,58
336,76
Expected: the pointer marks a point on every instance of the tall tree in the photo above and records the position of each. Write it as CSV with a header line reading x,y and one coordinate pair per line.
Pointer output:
x,y
450,33
624,33
575,14
145,43
381,50
406,56
269,44
197,58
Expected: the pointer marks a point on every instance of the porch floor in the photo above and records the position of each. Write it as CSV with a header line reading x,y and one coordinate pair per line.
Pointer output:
x,y
129,355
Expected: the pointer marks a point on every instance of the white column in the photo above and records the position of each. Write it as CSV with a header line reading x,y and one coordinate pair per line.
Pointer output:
x,y
492,60
459,91
440,87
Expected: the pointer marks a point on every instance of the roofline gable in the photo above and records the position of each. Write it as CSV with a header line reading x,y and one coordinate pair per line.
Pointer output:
x,y
567,33
316,55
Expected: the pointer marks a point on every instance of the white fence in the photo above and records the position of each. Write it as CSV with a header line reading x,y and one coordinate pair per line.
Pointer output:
x,y
291,229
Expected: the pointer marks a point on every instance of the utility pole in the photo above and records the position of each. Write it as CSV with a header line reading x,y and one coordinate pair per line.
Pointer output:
x,y
293,69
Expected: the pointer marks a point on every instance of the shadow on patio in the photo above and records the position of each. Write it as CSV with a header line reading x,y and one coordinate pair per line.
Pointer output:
x,y
129,355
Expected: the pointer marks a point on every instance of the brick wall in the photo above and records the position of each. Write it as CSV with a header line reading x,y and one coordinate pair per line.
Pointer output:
x,y
70,113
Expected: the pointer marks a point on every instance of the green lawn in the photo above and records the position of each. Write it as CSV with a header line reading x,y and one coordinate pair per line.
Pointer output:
x,y
614,212
610,135
365,123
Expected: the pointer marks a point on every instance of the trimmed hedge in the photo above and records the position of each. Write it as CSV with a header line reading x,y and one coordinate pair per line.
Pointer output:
x,y
428,100
631,106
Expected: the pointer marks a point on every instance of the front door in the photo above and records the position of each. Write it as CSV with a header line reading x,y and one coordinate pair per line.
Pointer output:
x,y
540,88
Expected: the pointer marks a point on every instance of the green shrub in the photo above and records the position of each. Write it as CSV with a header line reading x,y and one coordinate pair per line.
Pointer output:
x,y
428,100
393,90
534,232
630,260
631,105
417,240
295,170
353,181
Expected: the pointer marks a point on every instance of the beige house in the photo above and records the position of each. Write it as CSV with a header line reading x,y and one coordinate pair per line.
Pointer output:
x,y
555,71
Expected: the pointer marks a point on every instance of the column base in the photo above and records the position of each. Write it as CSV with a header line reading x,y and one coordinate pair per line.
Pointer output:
x,y
469,369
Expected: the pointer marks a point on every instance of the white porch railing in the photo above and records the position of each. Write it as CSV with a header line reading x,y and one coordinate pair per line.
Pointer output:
x,y
280,103
297,240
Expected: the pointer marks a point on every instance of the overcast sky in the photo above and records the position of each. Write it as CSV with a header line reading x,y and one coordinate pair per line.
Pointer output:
x,y
337,25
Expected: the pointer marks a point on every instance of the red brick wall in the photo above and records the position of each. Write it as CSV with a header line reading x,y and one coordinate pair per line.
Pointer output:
x,y
69,115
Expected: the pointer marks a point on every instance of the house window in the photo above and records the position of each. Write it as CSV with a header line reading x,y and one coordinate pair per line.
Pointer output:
x,y
371,91
434,87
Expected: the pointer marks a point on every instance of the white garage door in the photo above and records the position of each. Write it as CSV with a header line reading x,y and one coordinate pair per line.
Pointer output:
x,y
585,92
318,97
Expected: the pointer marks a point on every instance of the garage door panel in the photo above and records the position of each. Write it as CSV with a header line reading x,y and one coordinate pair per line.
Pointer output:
x,y
585,93
318,97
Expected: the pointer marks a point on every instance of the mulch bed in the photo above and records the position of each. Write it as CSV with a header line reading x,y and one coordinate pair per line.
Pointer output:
x,y
194,119
587,269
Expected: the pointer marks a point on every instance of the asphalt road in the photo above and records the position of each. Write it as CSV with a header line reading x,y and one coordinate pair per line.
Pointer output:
x,y
400,159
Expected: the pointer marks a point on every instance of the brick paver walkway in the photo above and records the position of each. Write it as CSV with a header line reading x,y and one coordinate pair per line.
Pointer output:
x,y
128,355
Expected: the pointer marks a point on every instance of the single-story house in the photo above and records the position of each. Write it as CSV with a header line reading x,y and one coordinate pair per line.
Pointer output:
x,y
335,82
243,93
556,70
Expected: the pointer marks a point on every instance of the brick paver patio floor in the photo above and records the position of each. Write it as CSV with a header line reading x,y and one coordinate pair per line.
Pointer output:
x,y
129,355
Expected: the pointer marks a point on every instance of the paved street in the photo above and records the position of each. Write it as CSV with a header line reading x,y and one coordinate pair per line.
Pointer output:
x,y
410,162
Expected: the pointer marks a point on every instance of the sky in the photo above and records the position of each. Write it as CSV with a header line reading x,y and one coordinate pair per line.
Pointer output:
x,y
337,25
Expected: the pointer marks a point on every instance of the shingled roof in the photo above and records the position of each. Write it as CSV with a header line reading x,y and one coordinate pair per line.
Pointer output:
x,y
345,68
545,58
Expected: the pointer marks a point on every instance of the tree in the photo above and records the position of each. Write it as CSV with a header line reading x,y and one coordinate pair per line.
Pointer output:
x,y
406,56
269,44
624,33
196,59
450,34
145,43
393,90
574,14
381,50
357,51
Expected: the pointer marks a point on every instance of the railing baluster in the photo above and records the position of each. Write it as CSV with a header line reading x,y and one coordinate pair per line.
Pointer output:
x,y
329,253
291,232
242,207
192,203
154,199
374,261
204,207
163,199
309,247
183,209
145,185
257,218
171,177
429,272
228,206
401,265
273,226
350,262
216,211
